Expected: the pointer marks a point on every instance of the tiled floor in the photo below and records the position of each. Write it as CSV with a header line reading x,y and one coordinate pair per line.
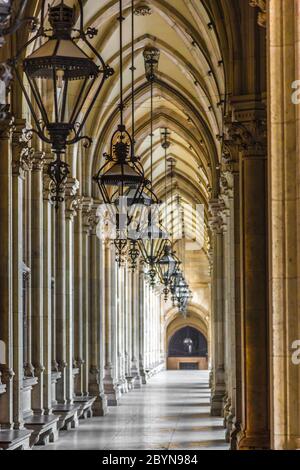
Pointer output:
x,y
170,413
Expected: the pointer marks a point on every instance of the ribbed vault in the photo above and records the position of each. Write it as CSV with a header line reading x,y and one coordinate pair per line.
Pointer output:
x,y
191,94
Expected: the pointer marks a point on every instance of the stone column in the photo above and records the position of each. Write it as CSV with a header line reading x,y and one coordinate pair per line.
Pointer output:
x,y
110,386
250,131
226,197
20,156
60,302
128,322
72,201
135,330
6,285
147,321
37,284
27,220
78,300
47,294
218,389
96,323
122,313
86,233
284,213
142,323
231,165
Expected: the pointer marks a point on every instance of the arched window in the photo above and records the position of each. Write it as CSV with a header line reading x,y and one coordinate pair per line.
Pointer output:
x,y
188,342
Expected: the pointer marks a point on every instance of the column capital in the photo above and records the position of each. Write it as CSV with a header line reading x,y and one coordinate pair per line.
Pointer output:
x,y
226,186
86,203
7,374
38,161
93,217
247,126
217,222
250,136
71,197
6,128
262,14
22,153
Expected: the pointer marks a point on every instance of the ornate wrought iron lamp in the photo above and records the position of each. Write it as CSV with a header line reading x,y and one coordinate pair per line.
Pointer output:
x,y
153,238
166,267
121,179
56,66
168,263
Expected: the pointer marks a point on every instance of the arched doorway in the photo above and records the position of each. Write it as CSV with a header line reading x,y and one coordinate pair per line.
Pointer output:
x,y
188,350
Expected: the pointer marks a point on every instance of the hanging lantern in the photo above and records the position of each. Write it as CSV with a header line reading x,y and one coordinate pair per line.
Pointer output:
x,y
133,255
182,295
121,172
121,179
152,243
151,58
166,267
58,66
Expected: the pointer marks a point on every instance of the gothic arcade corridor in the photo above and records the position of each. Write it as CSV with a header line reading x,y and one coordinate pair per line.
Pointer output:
x,y
172,412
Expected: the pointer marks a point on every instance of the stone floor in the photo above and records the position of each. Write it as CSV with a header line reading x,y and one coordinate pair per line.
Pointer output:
x,y
170,413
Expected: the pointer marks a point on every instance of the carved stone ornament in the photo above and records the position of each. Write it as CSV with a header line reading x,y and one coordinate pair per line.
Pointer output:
x,y
39,369
7,374
94,370
5,79
61,366
262,15
23,154
249,135
71,197
142,10
6,127
217,222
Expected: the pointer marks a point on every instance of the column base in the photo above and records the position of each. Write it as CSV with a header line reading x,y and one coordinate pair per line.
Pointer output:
x,y
135,373
100,407
123,385
144,379
226,409
96,390
217,404
236,429
229,426
247,441
111,390
137,382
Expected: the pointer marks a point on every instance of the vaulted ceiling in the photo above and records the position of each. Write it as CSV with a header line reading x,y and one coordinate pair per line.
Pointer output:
x,y
191,92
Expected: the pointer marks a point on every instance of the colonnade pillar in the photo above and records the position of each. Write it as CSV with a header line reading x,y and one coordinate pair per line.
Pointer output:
x,y
86,266
110,386
19,166
79,388
141,313
135,372
97,323
60,302
218,319
47,293
6,286
227,199
37,281
249,131
284,212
